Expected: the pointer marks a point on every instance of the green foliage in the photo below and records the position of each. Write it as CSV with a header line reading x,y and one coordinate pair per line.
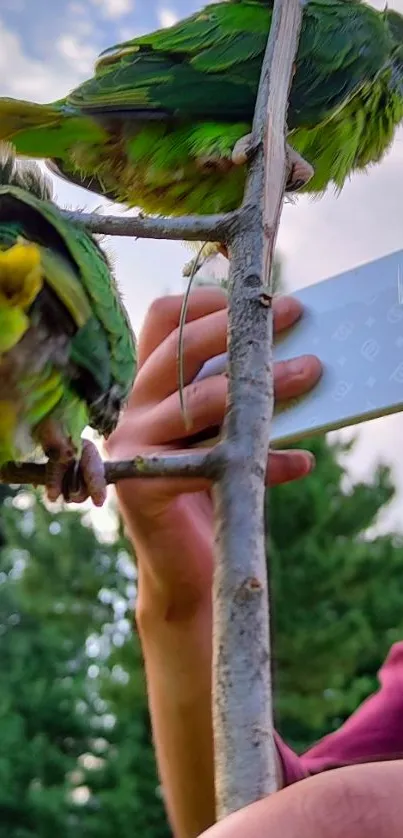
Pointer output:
x,y
76,753
70,764
337,597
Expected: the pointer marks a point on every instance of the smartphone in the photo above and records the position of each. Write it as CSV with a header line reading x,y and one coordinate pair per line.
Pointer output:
x,y
354,323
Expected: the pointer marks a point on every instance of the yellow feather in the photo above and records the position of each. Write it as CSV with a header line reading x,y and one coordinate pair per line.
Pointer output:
x,y
21,276
8,425
13,325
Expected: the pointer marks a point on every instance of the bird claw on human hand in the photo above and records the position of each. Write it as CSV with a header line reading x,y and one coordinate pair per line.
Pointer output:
x,y
79,480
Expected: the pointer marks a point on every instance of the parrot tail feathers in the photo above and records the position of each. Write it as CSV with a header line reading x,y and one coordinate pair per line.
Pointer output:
x,y
17,115
41,131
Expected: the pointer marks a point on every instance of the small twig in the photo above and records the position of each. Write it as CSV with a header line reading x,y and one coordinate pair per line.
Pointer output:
x,y
215,228
192,464
182,322
242,695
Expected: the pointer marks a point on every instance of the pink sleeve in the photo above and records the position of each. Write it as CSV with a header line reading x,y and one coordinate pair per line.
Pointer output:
x,y
373,733
293,769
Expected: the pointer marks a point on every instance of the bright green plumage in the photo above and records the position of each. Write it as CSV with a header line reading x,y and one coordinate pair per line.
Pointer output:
x,y
144,129
67,352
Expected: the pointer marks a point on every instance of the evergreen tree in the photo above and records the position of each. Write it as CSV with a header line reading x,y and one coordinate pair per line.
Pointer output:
x,y
337,595
68,765
76,754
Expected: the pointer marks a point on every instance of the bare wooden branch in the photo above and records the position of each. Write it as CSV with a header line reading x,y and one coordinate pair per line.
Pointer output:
x,y
242,700
215,228
194,464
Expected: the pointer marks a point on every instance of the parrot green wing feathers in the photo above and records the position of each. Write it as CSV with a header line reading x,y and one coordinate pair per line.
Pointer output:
x,y
223,38
97,290
156,125
108,309
67,351
181,69
343,47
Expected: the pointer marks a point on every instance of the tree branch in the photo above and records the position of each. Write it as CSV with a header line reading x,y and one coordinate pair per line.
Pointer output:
x,y
242,700
193,464
215,228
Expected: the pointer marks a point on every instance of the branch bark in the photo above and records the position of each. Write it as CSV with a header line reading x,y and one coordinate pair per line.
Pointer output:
x,y
242,696
195,464
215,228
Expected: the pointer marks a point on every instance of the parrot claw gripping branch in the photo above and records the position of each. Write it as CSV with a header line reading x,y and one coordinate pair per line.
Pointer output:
x,y
168,123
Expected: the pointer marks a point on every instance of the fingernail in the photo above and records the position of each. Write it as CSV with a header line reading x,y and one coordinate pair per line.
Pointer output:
x,y
310,461
297,366
289,304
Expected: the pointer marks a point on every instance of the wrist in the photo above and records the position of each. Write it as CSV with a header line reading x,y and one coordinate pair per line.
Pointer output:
x,y
174,556
163,601
177,650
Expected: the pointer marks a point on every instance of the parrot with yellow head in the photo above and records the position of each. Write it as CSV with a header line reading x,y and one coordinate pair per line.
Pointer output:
x,y
67,350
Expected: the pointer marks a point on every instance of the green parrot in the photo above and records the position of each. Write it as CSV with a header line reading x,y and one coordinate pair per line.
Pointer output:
x,y
67,351
163,124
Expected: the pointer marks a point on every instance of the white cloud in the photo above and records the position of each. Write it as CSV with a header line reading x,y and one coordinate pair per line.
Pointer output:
x,y
113,9
77,8
69,62
81,54
167,17
29,78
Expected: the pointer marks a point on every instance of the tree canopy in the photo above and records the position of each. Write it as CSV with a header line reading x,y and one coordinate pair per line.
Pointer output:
x,y
76,754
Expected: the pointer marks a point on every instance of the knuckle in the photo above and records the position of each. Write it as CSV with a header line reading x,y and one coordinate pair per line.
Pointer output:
x,y
188,346
117,443
189,340
161,311
171,345
196,399
202,401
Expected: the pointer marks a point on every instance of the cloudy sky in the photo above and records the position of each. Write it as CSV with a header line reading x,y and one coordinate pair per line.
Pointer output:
x,y
47,48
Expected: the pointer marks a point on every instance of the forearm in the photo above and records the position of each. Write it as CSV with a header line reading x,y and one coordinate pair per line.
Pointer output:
x,y
174,619
178,670
173,613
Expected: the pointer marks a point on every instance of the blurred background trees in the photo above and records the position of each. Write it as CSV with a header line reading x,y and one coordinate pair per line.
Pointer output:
x,y
76,754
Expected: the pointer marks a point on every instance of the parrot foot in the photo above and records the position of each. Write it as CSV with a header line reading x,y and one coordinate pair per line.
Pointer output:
x,y
299,171
78,480
214,161
243,150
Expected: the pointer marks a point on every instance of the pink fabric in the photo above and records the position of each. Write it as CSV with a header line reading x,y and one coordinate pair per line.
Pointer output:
x,y
373,733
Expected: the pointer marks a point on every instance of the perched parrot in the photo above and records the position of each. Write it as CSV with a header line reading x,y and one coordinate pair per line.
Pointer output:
x,y
163,123
67,351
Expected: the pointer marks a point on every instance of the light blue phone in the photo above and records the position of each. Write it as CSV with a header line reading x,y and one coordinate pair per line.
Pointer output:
x,y
354,323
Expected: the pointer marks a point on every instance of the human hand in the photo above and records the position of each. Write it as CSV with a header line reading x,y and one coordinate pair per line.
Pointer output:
x,y
153,420
155,508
